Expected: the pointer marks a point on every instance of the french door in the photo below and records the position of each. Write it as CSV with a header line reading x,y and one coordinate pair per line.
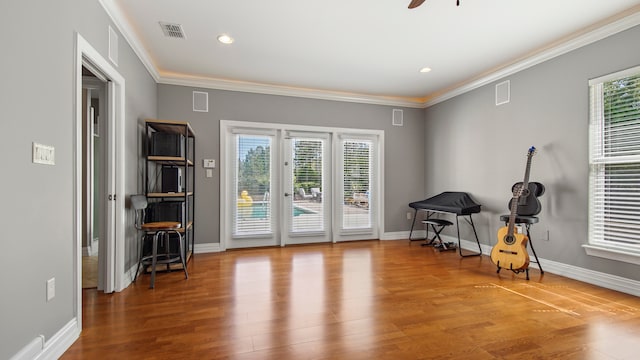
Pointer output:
x,y
307,199
308,185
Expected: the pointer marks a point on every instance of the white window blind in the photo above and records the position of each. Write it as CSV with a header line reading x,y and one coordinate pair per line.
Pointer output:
x,y
252,208
614,193
307,211
357,175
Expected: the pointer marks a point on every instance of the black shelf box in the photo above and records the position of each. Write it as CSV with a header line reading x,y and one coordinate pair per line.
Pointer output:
x,y
166,211
167,144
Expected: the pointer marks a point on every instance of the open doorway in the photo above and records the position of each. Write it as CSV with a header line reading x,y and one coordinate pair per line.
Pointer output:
x,y
93,175
112,202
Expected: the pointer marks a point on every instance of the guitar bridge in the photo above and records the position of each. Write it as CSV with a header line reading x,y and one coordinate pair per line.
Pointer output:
x,y
509,252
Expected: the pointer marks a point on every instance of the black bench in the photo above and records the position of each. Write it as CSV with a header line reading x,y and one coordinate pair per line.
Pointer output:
x,y
437,225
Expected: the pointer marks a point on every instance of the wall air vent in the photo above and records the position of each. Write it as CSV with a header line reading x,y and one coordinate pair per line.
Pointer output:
x,y
172,30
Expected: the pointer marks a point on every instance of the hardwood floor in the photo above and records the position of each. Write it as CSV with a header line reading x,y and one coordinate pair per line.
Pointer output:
x,y
358,300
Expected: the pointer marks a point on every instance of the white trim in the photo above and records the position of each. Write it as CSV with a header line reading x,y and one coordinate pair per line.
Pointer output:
x,y
400,235
31,350
615,25
207,248
84,50
39,349
612,253
227,126
116,116
116,15
252,87
604,280
130,274
615,76
541,56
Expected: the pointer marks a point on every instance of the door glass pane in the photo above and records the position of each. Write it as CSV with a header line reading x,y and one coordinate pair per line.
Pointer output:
x,y
307,212
252,208
356,184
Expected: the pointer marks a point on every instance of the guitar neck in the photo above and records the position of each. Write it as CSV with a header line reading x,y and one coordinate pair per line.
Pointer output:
x,y
512,215
527,171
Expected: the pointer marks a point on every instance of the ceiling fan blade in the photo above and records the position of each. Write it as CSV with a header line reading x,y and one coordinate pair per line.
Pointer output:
x,y
415,3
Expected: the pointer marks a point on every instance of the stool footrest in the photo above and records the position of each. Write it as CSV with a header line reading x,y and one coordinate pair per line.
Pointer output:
x,y
439,222
161,259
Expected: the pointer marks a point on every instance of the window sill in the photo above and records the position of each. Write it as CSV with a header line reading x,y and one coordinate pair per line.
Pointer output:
x,y
613,253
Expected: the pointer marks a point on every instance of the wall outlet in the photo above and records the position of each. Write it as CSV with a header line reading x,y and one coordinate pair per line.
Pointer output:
x,y
43,154
409,217
51,289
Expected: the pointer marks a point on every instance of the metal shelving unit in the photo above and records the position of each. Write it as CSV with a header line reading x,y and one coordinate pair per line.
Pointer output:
x,y
153,169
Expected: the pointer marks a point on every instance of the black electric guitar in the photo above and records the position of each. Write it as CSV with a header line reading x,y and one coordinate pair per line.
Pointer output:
x,y
528,203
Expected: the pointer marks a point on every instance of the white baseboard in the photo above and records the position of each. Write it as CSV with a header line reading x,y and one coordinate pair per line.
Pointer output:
x,y
39,349
30,351
403,235
604,280
597,278
207,248
61,341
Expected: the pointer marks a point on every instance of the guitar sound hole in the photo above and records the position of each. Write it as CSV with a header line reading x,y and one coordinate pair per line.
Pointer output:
x,y
509,239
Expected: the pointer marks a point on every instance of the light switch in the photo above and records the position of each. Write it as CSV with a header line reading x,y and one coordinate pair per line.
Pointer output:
x,y
51,289
209,173
209,163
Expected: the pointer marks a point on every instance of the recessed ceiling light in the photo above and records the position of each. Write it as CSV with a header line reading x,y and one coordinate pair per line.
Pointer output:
x,y
425,70
225,39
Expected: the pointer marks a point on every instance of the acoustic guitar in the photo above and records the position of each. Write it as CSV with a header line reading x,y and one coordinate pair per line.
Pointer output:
x,y
510,251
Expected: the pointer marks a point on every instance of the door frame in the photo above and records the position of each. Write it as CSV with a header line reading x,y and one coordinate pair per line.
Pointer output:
x,y
115,87
287,237
227,163
97,85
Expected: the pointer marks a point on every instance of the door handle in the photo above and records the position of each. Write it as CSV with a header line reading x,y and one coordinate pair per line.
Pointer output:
x,y
287,194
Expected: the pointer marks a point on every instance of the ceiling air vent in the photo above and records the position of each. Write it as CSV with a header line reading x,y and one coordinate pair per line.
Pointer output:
x,y
172,30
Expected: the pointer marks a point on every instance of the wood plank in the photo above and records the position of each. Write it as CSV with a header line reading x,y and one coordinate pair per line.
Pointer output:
x,y
168,195
356,300
170,126
169,160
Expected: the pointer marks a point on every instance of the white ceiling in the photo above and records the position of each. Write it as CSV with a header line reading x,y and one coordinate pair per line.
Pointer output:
x,y
363,50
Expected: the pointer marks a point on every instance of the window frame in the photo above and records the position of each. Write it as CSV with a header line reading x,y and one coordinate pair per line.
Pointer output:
x,y
597,246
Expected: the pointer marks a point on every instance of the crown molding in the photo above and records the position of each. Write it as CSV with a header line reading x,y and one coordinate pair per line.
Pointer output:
x,y
118,19
599,31
251,87
606,28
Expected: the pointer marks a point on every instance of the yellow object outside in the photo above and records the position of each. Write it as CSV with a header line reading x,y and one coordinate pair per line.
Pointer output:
x,y
245,200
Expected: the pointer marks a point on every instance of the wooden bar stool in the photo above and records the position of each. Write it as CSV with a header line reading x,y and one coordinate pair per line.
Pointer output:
x,y
159,230
163,229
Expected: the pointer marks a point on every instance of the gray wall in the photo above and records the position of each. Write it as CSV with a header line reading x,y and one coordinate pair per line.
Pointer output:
x,y
404,161
37,104
475,146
